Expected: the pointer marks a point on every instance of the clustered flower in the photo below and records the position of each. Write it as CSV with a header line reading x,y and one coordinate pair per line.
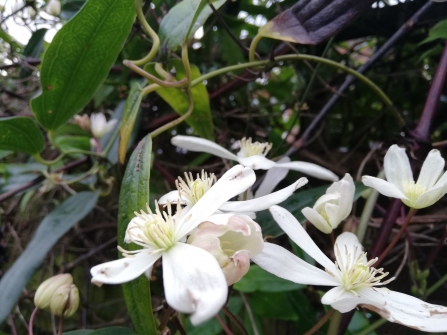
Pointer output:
x,y
206,240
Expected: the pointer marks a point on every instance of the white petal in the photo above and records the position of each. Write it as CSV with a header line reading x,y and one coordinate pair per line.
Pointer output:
x,y
233,182
333,214
124,269
310,169
442,180
111,124
134,225
397,167
296,232
284,264
340,299
386,188
98,124
346,189
349,249
272,178
193,143
238,267
172,197
431,169
258,162
430,197
317,220
264,202
325,198
193,282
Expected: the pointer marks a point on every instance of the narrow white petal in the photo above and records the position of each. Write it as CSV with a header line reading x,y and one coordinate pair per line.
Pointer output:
x,y
310,169
296,232
346,189
124,269
397,167
317,220
233,182
284,264
384,187
193,143
430,197
442,180
172,197
262,203
348,244
258,162
193,282
272,178
431,169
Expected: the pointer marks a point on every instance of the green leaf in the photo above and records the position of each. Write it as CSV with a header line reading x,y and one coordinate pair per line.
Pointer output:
x,y
103,331
272,305
295,204
69,143
79,59
439,31
258,279
79,332
20,134
200,119
134,195
186,16
130,114
50,230
33,49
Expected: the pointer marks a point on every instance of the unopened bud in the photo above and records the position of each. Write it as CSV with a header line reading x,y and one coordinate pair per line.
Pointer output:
x,y
46,290
53,7
65,301
82,121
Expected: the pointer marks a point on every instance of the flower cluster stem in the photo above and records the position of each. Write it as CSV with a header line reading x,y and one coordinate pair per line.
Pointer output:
x,y
321,322
31,321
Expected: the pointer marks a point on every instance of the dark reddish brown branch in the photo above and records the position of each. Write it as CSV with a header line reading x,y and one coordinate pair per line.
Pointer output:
x,y
436,251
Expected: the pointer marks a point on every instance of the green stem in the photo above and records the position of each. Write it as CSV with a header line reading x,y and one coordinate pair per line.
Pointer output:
x,y
152,34
253,45
149,89
436,285
368,330
83,176
162,72
151,77
43,161
334,324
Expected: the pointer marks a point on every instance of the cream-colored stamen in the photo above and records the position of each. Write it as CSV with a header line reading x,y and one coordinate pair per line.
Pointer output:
x,y
253,149
413,191
192,190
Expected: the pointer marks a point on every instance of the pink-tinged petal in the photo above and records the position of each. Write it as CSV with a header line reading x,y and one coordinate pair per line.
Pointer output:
x,y
317,220
284,264
431,169
296,232
237,267
386,188
193,143
310,169
397,167
257,162
124,269
346,189
233,182
172,197
193,282
211,244
272,178
264,202
429,197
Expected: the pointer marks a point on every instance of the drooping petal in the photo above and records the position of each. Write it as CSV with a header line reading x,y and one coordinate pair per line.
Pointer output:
x,y
124,269
310,169
193,143
431,169
397,167
346,189
296,232
284,264
257,162
340,299
193,282
262,203
429,197
237,267
272,178
384,187
317,220
172,197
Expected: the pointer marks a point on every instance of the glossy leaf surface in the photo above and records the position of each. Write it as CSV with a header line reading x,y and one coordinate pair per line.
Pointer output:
x,y
20,134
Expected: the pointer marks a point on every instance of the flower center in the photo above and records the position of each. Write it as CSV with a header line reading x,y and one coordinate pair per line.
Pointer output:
x,y
413,191
157,230
249,149
355,273
192,190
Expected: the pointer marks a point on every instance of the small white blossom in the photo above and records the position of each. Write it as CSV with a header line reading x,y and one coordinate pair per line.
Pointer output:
x,y
100,126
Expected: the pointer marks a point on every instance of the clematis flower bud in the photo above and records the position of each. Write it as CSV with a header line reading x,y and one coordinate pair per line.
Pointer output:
x,y
82,121
53,7
333,207
46,290
100,126
65,300
232,240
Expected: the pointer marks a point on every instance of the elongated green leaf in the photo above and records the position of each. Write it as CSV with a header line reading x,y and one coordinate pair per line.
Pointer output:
x,y
103,331
56,224
20,134
33,49
79,59
133,197
200,119
130,114
179,21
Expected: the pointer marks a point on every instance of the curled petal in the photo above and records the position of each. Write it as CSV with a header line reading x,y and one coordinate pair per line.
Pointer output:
x,y
134,228
429,197
346,189
194,282
237,267
272,178
172,197
193,143
431,169
317,220
124,269
310,169
397,168
384,187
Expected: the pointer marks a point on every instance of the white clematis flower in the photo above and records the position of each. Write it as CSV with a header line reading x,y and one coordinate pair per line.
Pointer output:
x,y
232,240
333,207
400,184
193,280
251,155
190,191
100,126
355,281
